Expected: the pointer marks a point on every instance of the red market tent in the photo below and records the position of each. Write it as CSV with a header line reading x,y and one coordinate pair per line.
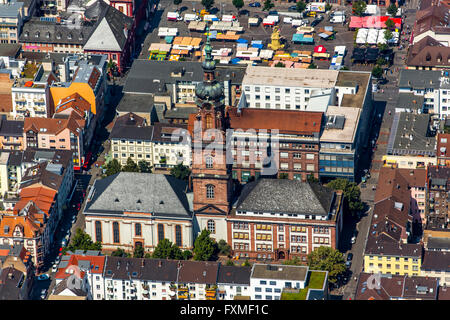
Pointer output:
x,y
378,22
356,22
320,49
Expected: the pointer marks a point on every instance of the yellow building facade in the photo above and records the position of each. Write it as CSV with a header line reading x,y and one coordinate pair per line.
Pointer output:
x,y
408,162
392,265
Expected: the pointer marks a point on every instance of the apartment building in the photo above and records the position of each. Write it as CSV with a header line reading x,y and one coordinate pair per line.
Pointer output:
x,y
233,282
294,138
281,219
171,146
411,144
443,149
275,282
11,20
11,135
132,209
56,134
397,287
88,267
387,257
51,176
436,264
11,172
432,85
438,181
30,92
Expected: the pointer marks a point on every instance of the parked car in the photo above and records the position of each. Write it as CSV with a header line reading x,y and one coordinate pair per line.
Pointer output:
x,y
255,5
348,263
55,268
292,8
315,22
43,293
353,239
43,277
64,242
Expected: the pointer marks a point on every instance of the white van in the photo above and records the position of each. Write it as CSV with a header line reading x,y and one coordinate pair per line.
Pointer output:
x,y
188,17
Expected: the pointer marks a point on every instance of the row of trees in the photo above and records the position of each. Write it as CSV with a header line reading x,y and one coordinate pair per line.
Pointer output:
x,y
359,7
207,249
114,167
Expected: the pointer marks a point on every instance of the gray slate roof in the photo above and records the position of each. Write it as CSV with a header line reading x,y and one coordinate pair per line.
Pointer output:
x,y
11,10
159,194
136,103
286,196
407,125
435,243
281,272
419,79
130,132
234,275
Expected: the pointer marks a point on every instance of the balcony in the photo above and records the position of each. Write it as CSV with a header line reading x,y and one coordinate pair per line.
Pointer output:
x,y
183,296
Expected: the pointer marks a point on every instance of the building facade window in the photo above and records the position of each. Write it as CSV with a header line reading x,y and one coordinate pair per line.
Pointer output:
x,y
210,191
178,238
98,231
209,162
211,226
160,232
116,237
137,229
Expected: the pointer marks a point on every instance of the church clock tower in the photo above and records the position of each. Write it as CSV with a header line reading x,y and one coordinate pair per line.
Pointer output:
x,y
211,179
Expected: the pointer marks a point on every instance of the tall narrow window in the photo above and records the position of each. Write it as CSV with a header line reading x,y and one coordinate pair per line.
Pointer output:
x,y
160,232
211,226
178,239
116,232
137,229
209,162
98,231
209,121
210,191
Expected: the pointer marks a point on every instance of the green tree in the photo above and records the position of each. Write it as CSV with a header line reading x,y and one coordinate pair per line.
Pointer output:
x,y
328,7
238,4
82,241
280,64
119,252
130,166
351,192
205,248
392,10
327,259
180,172
113,167
381,61
144,166
166,250
283,175
377,72
301,6
230,263
187,254
312,66
388,34
390,24
147,256
311,178
246,263
268,4
138,252
224,247
293,262
207,4
383,47
359,7
112,70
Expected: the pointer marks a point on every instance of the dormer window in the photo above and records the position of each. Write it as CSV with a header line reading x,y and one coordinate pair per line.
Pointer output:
x,y
37,34
58,35
80,37
26,34
48,35
69,36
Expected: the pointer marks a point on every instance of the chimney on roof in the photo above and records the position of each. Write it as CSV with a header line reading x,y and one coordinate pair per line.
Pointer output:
x,y
143,262
10,275
160,263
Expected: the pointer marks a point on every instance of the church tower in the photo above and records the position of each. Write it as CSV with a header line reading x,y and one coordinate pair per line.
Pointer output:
x,y
211,179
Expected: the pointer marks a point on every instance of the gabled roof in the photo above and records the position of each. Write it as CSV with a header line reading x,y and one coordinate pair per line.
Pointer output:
x,y
53,125
29,226
133,192
74,102
63,286
111,33
91,263
198,272
40,175
286,196
11,128
428,53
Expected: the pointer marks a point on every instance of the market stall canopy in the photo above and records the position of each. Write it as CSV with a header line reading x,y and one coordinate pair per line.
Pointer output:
x,y
320,49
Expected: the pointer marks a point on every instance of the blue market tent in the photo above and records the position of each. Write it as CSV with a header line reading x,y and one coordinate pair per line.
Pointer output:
x,y
240,40
168,39
235,60
299,38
